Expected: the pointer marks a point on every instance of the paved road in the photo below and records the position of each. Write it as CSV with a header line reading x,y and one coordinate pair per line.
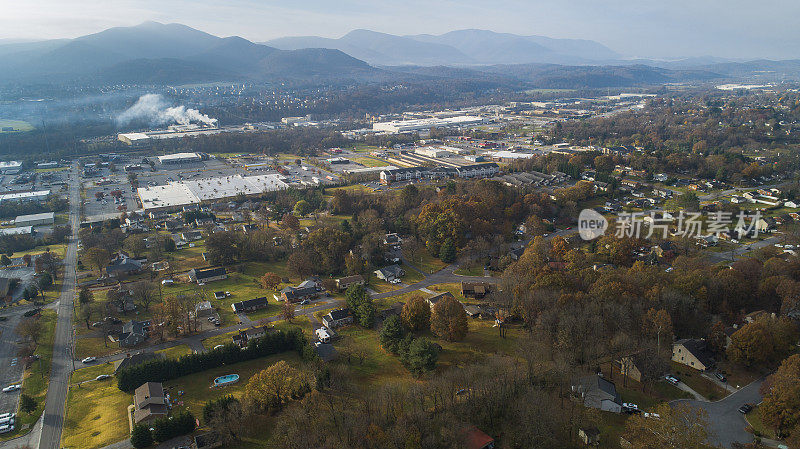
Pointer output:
x,y
741,250
726,423
54,409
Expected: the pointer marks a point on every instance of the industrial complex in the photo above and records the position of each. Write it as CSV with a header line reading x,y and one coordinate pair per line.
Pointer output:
x,y
178,194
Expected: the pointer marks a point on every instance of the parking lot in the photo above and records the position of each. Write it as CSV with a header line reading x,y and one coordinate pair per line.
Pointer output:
x,y
104,181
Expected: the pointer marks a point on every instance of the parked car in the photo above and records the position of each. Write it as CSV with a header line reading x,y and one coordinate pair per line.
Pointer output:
x,y
8,415
12,387
720,377
219,346
89,360
672,379
103,377
652,415
7,428
167,282
304,302
745,409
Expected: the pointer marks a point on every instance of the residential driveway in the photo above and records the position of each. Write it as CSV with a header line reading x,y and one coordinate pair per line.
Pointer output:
x,y
726,423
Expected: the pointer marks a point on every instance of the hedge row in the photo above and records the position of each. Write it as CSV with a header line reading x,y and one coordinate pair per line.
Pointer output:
x,y
164,429
161,370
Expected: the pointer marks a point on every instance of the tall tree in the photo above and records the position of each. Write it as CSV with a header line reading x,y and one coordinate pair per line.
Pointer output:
x,y
449,320
416,313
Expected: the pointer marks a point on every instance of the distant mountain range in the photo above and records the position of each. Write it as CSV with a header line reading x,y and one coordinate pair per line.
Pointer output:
x,y
168,54
174,54
463,47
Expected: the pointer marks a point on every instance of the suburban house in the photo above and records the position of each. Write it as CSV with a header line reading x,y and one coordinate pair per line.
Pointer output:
x,y
757,315
436,298
245,336
305,290
250,305
133,333
693,353
475,438
480,311
474,289
123,265
191,236
629,366
517,253
597,392
392,239
203,309
135,359
206,275
149,402
336,318
345,282
390,273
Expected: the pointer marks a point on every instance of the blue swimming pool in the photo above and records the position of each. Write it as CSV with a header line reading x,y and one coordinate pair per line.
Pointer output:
x,y
226,380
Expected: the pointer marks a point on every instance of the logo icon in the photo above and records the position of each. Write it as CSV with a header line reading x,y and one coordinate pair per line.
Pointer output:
x,y
591,224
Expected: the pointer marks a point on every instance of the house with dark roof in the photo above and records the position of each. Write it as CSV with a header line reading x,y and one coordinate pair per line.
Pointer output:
x,y
149,402
436,298
693,353
123,265
133,333
250,305
132,360
345,282
516,253
390,273
206,275
597,392
474,289
245,336
191,236
336,318
306,290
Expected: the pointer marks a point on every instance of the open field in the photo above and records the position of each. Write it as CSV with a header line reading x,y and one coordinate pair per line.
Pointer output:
x,y
96,415
18,125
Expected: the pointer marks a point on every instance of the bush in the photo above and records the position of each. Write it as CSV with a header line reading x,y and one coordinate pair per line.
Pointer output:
x,y
141,436
26,403
167,369
211,408
167,428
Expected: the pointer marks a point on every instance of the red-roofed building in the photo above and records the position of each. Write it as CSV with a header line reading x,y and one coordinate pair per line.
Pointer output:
x,y
474,438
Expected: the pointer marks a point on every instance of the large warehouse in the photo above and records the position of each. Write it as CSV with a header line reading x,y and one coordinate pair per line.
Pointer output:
x,y
46,218
177,194
180,158
38,195
404,126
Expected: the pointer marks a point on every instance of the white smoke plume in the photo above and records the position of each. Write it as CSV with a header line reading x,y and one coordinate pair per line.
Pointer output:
x,y
153,108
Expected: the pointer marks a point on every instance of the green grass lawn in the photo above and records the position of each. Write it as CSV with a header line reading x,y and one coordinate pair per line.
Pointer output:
x,y
378,366
59,250
175,351
759,429
91,372
18,125
94,346
698,383
370,162
37,377
222,339
96,415
476,270
427,263
197,387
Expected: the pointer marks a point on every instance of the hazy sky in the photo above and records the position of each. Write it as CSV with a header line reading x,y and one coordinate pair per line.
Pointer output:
x,y
646,28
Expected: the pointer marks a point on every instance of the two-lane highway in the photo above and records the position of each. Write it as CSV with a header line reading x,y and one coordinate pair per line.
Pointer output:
x,y
62,347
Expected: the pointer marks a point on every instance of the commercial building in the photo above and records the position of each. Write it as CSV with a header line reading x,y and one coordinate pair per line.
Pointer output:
x,y
180,158
179,194
21,230
413,173
134,139
39,195
10,167
432,152
46,218
404,126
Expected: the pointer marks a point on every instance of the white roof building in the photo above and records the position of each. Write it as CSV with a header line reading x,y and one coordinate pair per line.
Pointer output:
x,y
426,123
38,195
10,167
179,157
176,194
46,218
